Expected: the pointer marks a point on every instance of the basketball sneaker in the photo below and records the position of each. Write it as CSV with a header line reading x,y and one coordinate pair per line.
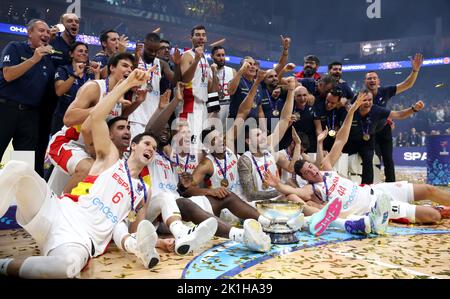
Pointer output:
x,y
379,214
358,227
193,238
254,237
322,219
146,238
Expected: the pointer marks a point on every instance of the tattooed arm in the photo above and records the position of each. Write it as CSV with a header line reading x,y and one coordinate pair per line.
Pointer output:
x,y
247,183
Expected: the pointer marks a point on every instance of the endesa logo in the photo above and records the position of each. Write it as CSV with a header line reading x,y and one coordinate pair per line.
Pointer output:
x,y
18,29
414,156
105,210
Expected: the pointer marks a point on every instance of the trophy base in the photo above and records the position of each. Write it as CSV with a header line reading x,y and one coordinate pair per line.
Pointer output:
x,y
283,238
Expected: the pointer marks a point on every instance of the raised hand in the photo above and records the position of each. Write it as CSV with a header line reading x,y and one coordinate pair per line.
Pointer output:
x,y
321,137
179,90
176,57
199,52
123,42
260,75
276,93
289,67
416,62
359,100
138,77
419,105
285,42
157,30
244,66
164,99
291,83
271,179
78,69
214,68
94,67
141,95
138,51
40,52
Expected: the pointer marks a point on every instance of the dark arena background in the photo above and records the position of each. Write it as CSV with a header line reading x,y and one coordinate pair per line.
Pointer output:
x,y
366,37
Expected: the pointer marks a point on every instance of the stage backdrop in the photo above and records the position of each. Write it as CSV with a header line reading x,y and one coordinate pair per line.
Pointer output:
x,y
410,156
438,170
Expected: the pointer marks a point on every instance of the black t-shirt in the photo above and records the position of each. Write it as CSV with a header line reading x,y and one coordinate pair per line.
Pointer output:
x,y
332,119
61,55
29,88
270,104
305,125
373,122
346,90
238,97
384,94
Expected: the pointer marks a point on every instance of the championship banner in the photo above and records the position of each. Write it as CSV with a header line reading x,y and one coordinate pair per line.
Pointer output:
x,y
438,170
410,156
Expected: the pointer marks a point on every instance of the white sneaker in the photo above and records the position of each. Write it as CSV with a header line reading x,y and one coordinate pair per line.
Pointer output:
x,y
296,223
254,237
379,214
196,236
146,238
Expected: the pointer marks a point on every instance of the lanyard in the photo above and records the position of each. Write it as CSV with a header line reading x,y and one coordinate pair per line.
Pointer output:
x,y
257,167
317,194
107,85
224,169
161,153
367,123
186,164
205,69
131,186
328,121
151,76
272,105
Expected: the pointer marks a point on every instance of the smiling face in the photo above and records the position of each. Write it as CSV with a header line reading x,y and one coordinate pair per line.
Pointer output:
x,y
271,79
219,58
120,135
80,54
331,102
336,71
144,150
72,24
39,34
301,96
372,81
199,38
122,70
257,139
310,173
182,139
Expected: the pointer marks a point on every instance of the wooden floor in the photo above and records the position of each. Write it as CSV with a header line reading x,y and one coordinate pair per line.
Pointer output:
x,y
416,256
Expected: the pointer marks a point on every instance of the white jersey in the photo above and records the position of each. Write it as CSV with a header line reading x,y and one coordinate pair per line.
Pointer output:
x,y
117,110
73,134
264,163
164,177
184,164
200,80
144,111
225,75
232,174
107,203
356,200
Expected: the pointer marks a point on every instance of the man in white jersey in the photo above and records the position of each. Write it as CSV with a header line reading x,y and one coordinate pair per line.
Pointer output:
x,y
70,232
140,117
67,149
346,199
225,74
197,73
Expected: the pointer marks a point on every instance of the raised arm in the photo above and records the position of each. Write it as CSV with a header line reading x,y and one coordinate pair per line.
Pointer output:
x,y
275,182
405,113
234,83
342,135
416,63
86,98
285,116
285,43
104,148
11,73
189,64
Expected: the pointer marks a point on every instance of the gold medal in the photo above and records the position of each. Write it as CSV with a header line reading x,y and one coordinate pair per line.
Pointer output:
x,y
297,116
265,186
332,133
254,106
366,137
276,112
132,216
224,183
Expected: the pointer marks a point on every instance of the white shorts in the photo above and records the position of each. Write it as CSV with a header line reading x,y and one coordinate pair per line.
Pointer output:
x,y
202,202
67,155
399,191
51,229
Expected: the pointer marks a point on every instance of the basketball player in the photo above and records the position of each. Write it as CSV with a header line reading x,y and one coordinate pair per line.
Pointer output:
x,y
140,117
344,198
67,148
70,232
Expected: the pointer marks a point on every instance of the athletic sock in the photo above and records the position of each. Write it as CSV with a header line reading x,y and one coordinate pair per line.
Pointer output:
x,y
265,222
4,265
130,244
236,234
177,228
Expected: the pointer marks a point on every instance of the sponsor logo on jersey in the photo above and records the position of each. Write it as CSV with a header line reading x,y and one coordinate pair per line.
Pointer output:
x,y
103,208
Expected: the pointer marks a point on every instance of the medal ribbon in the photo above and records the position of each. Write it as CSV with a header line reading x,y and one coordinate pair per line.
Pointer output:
x,y
367,123
316,193
186,164
223,170
131,186
328,121
161,153
257,167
